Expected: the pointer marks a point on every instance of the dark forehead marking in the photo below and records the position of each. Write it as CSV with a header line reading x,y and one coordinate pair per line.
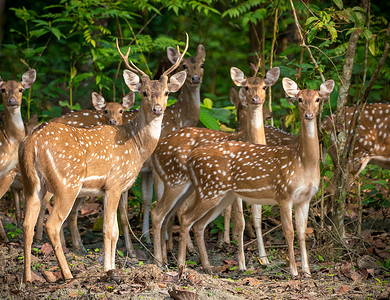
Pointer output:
x,y
308,93
193,60
255,80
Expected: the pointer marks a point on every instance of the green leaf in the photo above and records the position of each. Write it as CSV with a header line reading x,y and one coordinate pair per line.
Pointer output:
x,y
381,182
208,120
333,32
56,32
372,47
311,35
368,34
73,72
208,103
339,3
311,20
98,79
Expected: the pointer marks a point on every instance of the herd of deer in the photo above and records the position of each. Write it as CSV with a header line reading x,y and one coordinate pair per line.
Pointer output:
x,y
197,173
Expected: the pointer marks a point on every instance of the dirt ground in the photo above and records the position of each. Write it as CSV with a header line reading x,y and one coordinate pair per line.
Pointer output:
x,y
350,276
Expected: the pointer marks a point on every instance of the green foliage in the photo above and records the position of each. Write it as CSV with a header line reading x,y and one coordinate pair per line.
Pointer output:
x,y
71,44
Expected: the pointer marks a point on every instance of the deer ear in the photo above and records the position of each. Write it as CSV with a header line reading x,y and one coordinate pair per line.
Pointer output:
x,y
272,76
28,78
172,55
234,97
237,76
326,88
98,101
242,97
201,52
290,87
132,80
176,81
267,114
128,100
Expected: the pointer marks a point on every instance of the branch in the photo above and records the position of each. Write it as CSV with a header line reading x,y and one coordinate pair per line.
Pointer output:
x,y
303,44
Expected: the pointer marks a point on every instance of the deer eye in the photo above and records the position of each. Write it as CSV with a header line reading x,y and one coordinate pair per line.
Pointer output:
x,y
166,93
246,88
184,66
300,100
121,111
3,90
144,94
21,90
264,87
106,111
318,100
202,66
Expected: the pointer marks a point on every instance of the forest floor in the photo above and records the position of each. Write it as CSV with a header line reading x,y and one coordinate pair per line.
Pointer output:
x,y
358,273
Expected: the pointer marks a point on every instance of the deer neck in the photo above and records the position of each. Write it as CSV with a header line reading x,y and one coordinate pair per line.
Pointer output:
x,y
308,145
13,125
256,132
145,130
188,104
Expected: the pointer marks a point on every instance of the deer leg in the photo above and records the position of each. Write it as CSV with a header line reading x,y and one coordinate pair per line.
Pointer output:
x,y
256,212
5,182
73,228
192,214
110,228
172,199
147,196
188,202
123,212
288,231
16,196
41,216
62,206
227,216
32,206
169,246
200,226
301,215
239,222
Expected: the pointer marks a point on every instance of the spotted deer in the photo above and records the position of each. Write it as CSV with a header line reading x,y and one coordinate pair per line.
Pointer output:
x,y
12,131
106,113
372,143
283,175
373,137
169,160
185,112
102,160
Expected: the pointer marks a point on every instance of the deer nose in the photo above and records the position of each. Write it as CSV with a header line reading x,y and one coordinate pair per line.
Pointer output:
x,y
256,100
12,102
195,79
309,115
157,109
112,122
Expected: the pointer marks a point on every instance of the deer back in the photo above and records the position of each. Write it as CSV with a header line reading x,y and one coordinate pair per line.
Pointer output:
x,y
372,143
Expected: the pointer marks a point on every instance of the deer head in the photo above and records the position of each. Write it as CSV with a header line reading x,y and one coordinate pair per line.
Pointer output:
x,y
113,111
154,92
12,91
193,65
308,100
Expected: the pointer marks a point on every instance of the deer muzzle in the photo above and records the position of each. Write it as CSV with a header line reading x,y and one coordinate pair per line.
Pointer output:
x,y
157,109
256,100
12,102
309,115
195,79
